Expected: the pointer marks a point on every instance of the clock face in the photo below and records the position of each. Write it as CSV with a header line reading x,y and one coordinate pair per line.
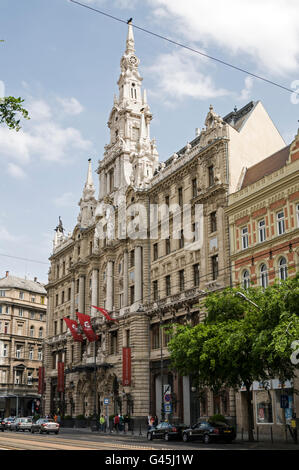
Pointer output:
x,y
133,60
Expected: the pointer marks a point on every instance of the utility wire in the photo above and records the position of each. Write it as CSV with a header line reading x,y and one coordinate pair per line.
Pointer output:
x,y
188,48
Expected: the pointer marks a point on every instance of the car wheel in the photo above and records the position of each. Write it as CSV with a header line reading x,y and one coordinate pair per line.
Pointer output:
x,y
56,432
40,431
32,431
166,436
149,436
185,437
206,439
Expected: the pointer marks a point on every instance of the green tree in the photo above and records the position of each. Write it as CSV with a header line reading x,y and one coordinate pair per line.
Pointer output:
x,y
11,111
239,343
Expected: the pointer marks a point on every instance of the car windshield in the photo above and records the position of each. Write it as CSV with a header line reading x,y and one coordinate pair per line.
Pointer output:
x,y
49,420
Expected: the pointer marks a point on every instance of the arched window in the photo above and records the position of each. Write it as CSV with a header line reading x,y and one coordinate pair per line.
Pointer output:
x,y
246,279
283,269
263,276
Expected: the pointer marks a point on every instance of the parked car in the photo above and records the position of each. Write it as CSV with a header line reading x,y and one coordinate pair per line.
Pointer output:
x,y
2,424
166,431
45,425
208,432
21,424
8,421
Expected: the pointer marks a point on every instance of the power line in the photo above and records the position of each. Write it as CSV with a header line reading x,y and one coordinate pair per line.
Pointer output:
x,y
188,48
24,259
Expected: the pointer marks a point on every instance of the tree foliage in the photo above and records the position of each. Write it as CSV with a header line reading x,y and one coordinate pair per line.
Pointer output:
x,y
239,343
11,111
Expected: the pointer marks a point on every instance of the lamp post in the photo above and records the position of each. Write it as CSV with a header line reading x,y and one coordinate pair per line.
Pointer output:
x,y
161,364
243,296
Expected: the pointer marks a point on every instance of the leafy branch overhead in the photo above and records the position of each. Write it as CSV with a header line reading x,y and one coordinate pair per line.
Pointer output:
x,y
11,112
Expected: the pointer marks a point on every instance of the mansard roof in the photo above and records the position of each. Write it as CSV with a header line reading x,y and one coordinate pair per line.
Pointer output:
x,y
267,166
13,282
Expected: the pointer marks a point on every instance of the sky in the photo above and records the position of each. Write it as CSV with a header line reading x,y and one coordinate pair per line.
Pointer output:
x,y
64,61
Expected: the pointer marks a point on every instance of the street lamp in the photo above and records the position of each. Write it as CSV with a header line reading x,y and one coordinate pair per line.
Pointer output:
x,y
243,296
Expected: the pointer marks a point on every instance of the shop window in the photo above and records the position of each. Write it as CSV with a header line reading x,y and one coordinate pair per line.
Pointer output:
x,y
264,412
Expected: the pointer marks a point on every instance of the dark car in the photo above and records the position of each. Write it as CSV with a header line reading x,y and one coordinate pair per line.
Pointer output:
x,y
45,425
207,432
2,424
166,431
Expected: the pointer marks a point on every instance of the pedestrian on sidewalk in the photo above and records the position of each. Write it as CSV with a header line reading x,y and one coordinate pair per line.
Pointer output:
x,y
116,423
102,423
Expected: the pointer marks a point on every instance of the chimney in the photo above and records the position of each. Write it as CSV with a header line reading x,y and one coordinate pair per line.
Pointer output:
x,y
7,274
35,279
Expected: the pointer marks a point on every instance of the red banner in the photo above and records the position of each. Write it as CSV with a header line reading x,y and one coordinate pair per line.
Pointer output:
x,y
105,313
84,321
126,367
60,377
73,327
41,380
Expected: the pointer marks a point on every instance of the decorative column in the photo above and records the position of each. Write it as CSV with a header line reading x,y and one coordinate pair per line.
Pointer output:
x,y
73,298
94,291
126,279
81,303
109,297
138,274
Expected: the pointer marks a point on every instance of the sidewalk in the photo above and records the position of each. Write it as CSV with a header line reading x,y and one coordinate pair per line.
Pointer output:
x,y
262,444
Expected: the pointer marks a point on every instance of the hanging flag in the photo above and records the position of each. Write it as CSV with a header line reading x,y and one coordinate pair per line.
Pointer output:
x,y
41,380
126,367
105,313
73,327
84,321
60,377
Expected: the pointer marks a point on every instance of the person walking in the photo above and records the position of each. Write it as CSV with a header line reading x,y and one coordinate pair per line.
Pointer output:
x,y
116,423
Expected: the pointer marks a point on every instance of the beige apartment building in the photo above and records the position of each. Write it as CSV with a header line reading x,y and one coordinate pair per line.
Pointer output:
x,y
147,249
23,305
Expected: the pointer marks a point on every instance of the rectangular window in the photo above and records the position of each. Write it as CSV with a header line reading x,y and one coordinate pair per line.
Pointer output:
x,y
196,274
167,246
21,295
62,297
40,355
31,354
121,300
6,326
128,338
280,223
167,200
167,285
113,342
180,196
155,330
18,351
211,175
181,239
194,187
42,300
244,237
155,251
5,349
214,260
20,312
132,258
155,290
182,280
69,293
131,294
297,215
213,221
2,293
56,300
262,230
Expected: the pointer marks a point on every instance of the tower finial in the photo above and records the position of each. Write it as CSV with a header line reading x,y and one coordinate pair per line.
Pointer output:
x,y
130,38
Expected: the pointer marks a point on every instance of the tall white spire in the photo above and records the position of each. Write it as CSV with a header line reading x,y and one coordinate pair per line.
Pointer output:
x,y
130,44
87,202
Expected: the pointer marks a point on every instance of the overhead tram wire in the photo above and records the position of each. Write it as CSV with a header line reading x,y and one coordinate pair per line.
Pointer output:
x,y
184,46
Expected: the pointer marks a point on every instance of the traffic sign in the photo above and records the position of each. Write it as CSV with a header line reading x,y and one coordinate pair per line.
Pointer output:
x,y
106,401
167,408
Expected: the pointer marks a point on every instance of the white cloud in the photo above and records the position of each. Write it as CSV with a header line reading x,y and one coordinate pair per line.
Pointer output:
x,y
65,200
16,171
246,92
70,105
178,75
264,31
38,110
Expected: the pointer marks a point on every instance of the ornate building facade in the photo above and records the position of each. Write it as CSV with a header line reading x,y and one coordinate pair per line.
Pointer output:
x,y
23,305
148,249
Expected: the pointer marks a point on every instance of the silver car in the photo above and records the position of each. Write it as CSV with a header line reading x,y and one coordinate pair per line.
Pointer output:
x,y
45,425
21,424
